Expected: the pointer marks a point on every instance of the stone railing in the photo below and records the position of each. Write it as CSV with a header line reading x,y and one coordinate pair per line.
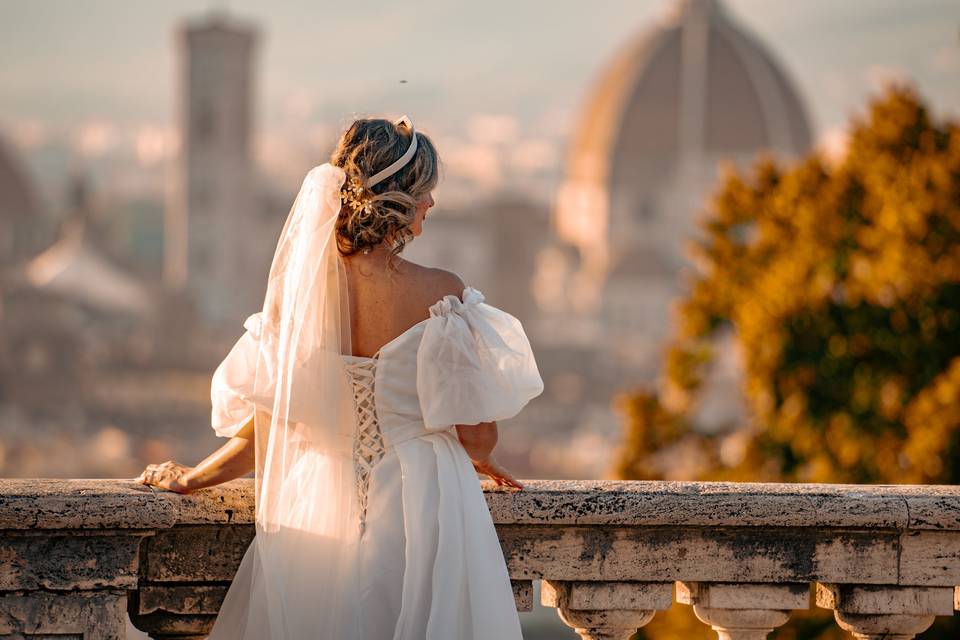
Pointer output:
x,y
76,556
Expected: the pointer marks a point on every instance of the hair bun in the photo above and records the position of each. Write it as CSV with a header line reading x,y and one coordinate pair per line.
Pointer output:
x,y
385,211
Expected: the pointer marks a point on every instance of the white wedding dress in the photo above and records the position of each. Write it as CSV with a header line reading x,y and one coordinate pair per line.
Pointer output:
x,y
430,565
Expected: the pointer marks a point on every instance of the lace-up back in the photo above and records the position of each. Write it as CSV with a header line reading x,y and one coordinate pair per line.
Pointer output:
x,y
368,444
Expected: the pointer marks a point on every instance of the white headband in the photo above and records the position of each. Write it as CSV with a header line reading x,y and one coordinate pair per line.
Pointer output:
x,y
402,160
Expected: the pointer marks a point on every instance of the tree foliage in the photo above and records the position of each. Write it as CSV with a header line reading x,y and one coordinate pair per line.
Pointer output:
x,y
841,284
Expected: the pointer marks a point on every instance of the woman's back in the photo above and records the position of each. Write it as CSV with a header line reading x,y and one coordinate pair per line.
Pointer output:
x,y
384,302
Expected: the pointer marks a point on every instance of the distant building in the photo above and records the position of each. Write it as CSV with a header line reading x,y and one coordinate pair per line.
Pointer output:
x,y
212,241
60,305
676,102
93,358
668,109
22,221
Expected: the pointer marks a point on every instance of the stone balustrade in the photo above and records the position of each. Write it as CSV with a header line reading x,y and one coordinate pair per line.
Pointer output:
x,y
76,556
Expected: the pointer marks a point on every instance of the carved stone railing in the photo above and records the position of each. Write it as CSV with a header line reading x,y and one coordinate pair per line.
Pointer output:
x,y
77,555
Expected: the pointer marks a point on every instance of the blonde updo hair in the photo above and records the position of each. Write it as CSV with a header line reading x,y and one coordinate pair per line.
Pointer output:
x,y
366,147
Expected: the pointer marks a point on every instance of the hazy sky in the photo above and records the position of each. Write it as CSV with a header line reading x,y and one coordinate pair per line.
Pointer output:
x,y
515,69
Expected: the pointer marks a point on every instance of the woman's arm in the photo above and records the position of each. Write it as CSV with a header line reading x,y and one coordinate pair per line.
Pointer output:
x,y
234,459
478,441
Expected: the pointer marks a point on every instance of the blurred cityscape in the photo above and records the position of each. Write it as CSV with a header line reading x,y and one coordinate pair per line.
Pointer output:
x,y
131,256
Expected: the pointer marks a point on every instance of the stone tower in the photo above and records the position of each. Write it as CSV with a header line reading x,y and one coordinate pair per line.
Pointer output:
x,y
211,215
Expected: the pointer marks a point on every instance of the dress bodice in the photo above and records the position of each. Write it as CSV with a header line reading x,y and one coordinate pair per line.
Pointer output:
x,y
467,363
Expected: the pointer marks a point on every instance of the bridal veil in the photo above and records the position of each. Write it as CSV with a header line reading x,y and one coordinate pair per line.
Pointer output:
x,y
304,421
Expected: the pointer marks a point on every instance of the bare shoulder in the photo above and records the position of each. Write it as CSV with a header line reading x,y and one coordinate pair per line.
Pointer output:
x,y
445,283
432,284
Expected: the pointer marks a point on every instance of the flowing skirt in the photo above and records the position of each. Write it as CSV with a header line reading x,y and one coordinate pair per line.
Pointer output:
x,y
428,566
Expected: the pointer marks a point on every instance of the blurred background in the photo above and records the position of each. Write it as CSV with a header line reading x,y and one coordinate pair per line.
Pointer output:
x,y
731,228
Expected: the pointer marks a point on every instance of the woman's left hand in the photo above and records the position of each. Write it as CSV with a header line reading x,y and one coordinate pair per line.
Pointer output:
x,y
166,475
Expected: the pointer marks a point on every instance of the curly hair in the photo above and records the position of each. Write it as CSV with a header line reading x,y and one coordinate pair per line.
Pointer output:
x,y
366,147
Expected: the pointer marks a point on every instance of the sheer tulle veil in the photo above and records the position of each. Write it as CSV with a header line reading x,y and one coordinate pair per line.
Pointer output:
x,y
304,422
301,568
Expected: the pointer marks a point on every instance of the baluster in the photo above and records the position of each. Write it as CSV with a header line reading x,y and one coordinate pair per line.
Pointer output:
x,y
882,612
743,611
606,610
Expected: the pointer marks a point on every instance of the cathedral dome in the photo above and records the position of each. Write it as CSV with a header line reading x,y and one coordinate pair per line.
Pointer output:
x,y
698,84
667,109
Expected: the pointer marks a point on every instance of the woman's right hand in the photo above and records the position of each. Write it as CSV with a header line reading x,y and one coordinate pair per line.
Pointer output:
x,y
167,475
489,466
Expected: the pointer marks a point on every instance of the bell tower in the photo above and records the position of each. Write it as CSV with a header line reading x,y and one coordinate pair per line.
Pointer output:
x,y
210,218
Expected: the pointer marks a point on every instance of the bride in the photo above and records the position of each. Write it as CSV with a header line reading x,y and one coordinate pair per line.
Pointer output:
x,y
365,397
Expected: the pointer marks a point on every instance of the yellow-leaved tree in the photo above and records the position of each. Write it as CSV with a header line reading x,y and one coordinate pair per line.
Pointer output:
x,y
840,282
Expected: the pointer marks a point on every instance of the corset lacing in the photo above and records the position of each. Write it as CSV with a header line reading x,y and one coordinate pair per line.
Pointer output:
x,y
368,445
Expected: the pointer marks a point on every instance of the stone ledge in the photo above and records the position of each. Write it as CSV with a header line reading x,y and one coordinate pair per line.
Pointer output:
x,y
611,551
46,503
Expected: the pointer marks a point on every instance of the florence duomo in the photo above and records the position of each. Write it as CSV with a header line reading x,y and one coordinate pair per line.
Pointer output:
x,y
674,103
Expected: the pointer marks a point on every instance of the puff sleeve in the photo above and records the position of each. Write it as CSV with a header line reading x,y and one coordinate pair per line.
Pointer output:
x,y
232,387
474,364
